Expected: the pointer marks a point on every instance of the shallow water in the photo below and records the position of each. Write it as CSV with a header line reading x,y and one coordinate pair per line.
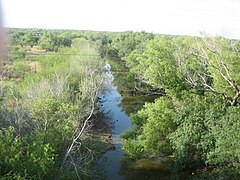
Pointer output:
x,y
111,160
117,109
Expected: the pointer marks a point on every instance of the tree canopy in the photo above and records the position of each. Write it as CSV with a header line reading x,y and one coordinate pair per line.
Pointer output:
x,y
197,119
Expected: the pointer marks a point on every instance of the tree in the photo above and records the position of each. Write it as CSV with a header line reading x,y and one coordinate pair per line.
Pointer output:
x,y
152,125
200,77
216,67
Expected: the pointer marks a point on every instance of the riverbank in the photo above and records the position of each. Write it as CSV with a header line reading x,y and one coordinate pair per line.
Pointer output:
x,y
116,109
101,129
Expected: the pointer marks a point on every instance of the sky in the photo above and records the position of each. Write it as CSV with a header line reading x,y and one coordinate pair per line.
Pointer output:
x,y
178,17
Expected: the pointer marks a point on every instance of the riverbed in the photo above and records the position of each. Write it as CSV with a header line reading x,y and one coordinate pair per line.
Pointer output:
x,y
117,108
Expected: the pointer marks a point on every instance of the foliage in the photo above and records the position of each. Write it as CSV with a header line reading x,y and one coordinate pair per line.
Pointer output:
x,y
24,37
18,70
193,138
125,43
226,153
41,114
157,66
200,78
152,125
17,53
51,41
196,119
32,159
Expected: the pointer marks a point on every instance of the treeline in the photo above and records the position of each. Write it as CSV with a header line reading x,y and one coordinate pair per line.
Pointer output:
x,y
112,46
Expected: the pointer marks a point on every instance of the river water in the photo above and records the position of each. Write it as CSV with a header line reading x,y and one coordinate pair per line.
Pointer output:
x,y
113,162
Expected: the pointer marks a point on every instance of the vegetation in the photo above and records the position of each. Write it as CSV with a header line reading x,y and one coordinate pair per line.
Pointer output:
x,y
197,118
49,97
46,112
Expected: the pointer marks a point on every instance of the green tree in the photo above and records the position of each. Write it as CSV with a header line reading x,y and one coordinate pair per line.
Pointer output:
x,y
152,125
200,77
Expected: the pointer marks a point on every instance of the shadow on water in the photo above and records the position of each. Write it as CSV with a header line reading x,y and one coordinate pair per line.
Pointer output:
x,y
149,169
131,104
113,162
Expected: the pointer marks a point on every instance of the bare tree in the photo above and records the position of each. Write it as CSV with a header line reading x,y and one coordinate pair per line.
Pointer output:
x,y
74,155
216,58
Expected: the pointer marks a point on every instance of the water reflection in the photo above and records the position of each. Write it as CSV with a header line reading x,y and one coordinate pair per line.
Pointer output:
x,y
111,160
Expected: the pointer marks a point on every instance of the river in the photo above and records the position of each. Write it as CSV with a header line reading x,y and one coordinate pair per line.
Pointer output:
x,y
113,162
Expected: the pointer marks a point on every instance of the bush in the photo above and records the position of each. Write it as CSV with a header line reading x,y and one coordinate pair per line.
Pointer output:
x,y
18,70
25,156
